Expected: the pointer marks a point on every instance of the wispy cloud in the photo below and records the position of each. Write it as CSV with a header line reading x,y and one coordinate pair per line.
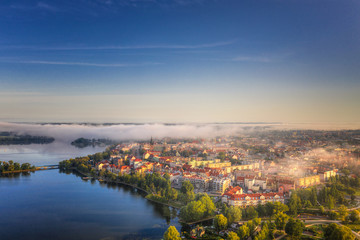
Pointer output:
x,y
45,6
36,6
252,59
84,63
126,47
161,3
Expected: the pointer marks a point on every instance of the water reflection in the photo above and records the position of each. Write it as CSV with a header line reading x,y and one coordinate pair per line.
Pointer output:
x,y
44,154
159,210
59,205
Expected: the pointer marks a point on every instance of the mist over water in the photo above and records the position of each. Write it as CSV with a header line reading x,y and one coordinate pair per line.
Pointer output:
x,y
67,132
44,154
70,132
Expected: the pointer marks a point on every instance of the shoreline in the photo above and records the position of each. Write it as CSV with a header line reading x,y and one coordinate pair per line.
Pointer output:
x,y
127,184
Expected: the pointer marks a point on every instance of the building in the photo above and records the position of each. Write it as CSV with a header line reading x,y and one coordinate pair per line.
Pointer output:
x,y
236,197
219,185
326,175
201,184
307,181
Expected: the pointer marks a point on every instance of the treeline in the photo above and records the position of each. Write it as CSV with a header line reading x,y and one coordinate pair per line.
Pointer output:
x,y
255,228
159,187
329,196
202,207
11,166
8,138
85,164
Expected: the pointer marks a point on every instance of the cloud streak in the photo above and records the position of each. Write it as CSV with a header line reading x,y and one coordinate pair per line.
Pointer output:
x,y
125,47
252,59
38,6
86,64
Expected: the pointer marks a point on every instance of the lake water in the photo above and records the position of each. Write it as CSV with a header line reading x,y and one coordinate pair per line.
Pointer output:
x,y
55,205
44,154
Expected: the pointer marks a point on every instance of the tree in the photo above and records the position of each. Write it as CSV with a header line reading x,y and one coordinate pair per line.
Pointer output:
x,y
232,236
244,231
17,166
337,232
220,222
280,220
330,202
280,207
313,196
187,190
294,228
264,233
196,210
270,208
251,212
333,215
172,234
307,204
209,205
342,213
354,216
233,214
294,204
261,210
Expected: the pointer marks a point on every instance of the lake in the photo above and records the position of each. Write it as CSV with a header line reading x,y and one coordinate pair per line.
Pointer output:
x,y
44,154
56,205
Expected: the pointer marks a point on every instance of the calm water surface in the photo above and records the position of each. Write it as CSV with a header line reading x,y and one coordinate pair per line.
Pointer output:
x,y
55,205
44,154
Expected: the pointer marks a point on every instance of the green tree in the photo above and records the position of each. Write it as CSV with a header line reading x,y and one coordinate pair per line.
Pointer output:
x,y
337,232
354,216
244,231
261,210
172,234
251,212
17,166
209,205
233,214
333,215
307,204
280,207
294,228
342,213
220,222
187,190
280,220
330,202
232,236
270,208
313,196
294,204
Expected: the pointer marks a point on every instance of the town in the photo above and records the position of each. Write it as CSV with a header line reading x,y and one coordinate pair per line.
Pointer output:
x,y
249,170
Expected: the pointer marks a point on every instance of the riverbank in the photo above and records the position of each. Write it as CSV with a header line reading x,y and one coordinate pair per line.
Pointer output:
x,y
18,171
29,170
177,206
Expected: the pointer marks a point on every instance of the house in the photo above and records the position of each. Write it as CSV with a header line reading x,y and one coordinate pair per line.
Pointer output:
x,y
236,197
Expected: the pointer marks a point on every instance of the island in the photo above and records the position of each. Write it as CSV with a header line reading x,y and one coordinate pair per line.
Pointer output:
x,y
84,142
11,138
14,167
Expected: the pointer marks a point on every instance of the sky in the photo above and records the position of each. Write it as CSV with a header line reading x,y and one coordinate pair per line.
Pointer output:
x,y
283,61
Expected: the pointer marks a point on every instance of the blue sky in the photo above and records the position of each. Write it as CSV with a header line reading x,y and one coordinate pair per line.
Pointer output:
x,y
180,60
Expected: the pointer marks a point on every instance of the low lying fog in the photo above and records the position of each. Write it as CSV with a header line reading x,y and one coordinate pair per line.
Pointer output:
x,y
70,132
